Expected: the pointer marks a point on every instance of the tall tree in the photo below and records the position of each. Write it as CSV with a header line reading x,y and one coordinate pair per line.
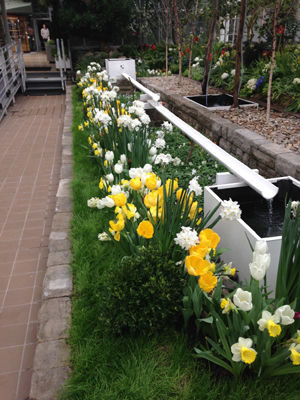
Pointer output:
x,y
209,50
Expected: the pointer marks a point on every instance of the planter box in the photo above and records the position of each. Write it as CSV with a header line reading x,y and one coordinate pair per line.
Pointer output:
x,y
49,48
116,66
256,222
66,63
219,101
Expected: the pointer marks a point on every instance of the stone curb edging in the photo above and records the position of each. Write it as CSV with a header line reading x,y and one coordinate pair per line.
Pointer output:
x,y
253,150
51,361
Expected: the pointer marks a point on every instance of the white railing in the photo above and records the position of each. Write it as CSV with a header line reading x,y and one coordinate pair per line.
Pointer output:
x,y
61,62
264,187
12,74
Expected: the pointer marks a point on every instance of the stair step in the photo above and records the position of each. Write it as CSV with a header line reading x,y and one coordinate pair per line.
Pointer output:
x,y
44,91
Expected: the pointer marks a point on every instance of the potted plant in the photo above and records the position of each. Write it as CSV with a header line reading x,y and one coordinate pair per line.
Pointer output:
x,y
49,46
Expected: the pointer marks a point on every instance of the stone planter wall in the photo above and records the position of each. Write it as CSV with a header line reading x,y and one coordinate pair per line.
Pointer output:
x,y
271,159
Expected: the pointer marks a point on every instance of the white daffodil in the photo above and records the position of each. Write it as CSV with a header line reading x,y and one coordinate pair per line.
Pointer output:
x,y
242,351
257,271
295,353
270,322
243,299
286,314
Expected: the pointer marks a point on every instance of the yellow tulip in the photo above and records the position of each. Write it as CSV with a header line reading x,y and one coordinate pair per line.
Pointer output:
x,y
151,182
145,229
119,225
209,238
136,183
120,199
196,266
208,282
199,250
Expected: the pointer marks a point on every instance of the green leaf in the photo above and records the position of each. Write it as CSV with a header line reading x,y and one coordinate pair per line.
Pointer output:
x,y
208,356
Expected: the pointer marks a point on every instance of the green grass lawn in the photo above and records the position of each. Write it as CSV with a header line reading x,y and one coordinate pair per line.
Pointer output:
x,y
132,367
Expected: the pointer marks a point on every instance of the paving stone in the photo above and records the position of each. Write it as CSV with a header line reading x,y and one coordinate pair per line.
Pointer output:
x,y
54,319
63,204
61,221
58,235
59,258
64,188
52,354
59,245
66,171
45,384
57,282
67,141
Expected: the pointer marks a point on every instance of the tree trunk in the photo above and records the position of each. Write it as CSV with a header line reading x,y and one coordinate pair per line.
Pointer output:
x,y
209,45
239,42
192,44
178,41
272,62
167,36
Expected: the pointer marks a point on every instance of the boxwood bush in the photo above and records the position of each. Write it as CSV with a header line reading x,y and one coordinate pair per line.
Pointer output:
x,y
142,294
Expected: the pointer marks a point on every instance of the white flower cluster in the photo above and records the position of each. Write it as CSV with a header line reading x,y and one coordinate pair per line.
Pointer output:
x,y
160,143
167,126
103,237
261,260
251,84
230,210
232,72
224,75
294,207
187,238
296,80
92,203
163,159
102,117
195,187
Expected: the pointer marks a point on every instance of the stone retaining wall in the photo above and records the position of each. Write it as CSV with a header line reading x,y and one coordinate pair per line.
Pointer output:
x,y
271,159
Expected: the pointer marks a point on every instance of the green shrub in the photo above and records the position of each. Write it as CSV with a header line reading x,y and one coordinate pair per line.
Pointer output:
x,y
185,73
103,54
142,294
116,54
174,69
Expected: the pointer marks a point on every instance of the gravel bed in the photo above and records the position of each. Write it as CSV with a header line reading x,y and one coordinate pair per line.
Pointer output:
x,y
283,128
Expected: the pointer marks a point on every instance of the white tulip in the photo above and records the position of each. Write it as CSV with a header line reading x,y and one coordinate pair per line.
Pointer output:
x,y
109,155
243,299
257,271
123,158
286,314
110,178
108,202
152,151
116,189
118,168
129,146
262,259
100,204
261,247
147,168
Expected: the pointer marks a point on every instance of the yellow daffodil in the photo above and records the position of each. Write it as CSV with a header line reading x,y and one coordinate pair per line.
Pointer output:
x,y
80,127
90,140
227,306
208,282
242,351
270,322
94,146
145,229
295,353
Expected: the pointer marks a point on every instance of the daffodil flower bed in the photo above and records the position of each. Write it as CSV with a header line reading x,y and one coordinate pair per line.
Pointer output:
x,y
147,207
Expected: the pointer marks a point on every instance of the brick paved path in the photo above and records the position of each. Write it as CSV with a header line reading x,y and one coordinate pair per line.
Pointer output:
x,y
30,160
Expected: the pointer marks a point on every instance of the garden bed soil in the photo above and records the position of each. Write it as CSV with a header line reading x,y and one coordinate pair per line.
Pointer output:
x,y
283,128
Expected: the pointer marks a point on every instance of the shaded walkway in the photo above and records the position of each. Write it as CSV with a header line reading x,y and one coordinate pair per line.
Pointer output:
x,y
30,160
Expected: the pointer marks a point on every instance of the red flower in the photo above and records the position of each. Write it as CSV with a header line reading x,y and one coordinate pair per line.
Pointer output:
x,y
223,52
280,30
297,315
188,50
183,54
147,45
209,57
196,39
153,47
134,33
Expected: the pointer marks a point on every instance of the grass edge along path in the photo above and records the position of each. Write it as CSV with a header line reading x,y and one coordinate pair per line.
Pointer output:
x,y
133,367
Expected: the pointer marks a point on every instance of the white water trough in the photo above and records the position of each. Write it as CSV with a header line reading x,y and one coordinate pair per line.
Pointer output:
x,y
255,224
233,233
218,101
